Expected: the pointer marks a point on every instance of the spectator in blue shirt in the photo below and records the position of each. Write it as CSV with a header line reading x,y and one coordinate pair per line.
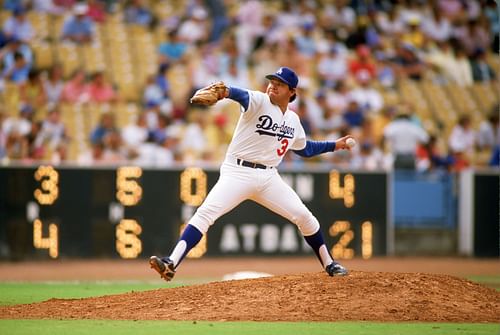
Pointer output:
x,y
17,26
161,79
173,49
495,156
18,72
481,69
106,125
12,5
15,45
305,41
353,115
79,28
159,134
137,13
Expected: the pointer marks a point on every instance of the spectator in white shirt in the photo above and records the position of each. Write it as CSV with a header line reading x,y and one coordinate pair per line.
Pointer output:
x,y
339,98
332,67
194,143
52,131
164,155
195,29
47,6
402,137
21,124
389,22
114,152
134,135
92,156
463,137
367,157
53,84
340,14
251,30
436,26
236,74
312,108
462,72
365,95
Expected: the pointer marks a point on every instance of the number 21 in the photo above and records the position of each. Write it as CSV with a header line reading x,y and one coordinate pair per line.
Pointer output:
x,y
281,151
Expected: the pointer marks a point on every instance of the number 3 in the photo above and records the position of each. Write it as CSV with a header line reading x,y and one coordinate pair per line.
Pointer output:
x,y
281,151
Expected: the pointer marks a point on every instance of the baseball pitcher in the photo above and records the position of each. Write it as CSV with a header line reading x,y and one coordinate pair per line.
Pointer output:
x,y
266,130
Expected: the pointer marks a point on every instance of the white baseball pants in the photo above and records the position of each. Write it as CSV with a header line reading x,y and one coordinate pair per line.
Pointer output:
x,y
264,186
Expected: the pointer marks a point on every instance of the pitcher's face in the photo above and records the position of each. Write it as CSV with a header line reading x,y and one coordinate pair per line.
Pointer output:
x,y
279,92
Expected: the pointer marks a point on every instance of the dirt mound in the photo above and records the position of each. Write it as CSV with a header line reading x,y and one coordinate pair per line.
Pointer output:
x,y
375,296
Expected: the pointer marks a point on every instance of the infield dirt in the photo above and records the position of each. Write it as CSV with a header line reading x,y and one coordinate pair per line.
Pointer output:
x,y
374,296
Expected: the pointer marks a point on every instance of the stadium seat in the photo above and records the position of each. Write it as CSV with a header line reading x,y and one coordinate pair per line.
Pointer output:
x,y
464,103
40,23
486,96
43,54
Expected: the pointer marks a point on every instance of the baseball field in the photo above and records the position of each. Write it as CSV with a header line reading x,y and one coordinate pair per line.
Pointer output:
x,y
379,296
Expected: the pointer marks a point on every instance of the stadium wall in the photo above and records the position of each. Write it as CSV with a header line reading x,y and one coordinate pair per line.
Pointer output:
x,y
133,212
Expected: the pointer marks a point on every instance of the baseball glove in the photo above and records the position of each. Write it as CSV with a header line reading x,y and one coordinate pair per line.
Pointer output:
x,y
209,95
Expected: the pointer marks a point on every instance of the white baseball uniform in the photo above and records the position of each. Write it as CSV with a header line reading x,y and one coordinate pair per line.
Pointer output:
x,y
263,135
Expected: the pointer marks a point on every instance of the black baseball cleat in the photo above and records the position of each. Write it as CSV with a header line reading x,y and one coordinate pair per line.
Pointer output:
x,y
164,266
335,269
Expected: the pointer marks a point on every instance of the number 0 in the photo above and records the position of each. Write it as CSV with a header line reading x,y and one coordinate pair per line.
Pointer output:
x,y
187,194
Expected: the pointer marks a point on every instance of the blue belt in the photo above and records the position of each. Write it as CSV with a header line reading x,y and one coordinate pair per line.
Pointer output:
x,y
250,164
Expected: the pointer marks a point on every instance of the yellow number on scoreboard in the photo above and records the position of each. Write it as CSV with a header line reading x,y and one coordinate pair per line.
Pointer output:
x,y
128,190
49,189
367,239
337,192
128,244
340,249
199,177
51,242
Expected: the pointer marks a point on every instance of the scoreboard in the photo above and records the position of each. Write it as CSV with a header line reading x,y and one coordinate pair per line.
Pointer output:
x,y
133,212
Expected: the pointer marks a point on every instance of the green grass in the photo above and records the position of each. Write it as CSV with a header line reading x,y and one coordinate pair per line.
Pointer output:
x,y
95,327
490,281
26,292
23,293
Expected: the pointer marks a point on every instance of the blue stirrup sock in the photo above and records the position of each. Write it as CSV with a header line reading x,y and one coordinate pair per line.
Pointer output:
x,y
188,240
317,243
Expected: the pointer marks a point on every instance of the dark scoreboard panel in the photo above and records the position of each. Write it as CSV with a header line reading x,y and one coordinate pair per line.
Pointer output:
x,y
131,212
486,215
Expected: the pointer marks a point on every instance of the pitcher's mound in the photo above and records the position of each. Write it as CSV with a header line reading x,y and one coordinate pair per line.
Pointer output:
x,y
374,296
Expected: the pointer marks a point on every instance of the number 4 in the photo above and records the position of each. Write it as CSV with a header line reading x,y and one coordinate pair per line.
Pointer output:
x,y
51,242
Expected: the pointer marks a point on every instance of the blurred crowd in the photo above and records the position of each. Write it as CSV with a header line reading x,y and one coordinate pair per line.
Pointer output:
x,y
349,55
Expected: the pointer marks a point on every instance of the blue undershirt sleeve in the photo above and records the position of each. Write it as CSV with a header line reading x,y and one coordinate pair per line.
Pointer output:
x,y
314,148
239,95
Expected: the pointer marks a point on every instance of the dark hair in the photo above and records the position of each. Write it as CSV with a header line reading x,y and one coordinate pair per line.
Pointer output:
x,y
18,55
493,118
463,119
33,74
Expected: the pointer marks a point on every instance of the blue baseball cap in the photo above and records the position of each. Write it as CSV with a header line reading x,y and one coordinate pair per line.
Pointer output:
x,y
286,75
19,11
